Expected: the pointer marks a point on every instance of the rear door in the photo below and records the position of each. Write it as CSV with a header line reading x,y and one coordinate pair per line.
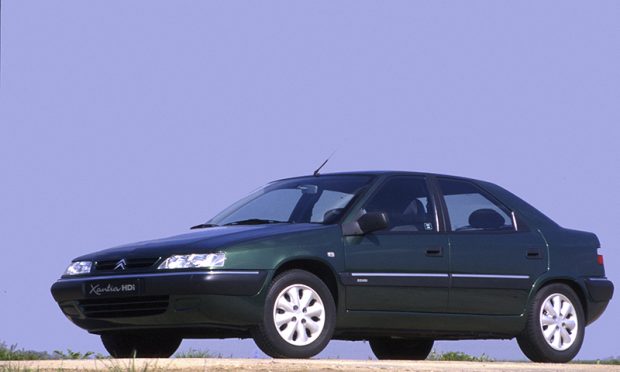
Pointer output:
x,y
404,267
494,259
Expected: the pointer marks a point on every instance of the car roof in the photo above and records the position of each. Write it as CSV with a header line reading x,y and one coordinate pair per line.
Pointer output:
x,y
383,173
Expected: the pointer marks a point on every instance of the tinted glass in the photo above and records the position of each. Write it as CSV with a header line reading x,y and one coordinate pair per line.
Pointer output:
x,y
275,205
406,202
470,210
330,204
321,199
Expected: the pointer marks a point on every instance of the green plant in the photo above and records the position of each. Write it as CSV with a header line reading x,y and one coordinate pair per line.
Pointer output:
x,y
70,354
193,353
606,361
113,365
13,353
458,356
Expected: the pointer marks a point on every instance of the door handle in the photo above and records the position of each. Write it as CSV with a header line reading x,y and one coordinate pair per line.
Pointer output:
x,y
533,253
434,251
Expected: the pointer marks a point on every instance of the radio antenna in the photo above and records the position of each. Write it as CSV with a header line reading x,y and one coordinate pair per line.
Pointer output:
x,y
316,172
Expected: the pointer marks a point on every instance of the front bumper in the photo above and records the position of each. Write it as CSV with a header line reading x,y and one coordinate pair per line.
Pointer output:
x,y
167,300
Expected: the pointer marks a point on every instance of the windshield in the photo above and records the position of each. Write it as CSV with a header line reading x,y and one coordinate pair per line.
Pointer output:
x,y
321,199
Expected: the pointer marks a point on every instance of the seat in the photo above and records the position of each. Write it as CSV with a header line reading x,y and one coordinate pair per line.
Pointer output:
x,y
412,218
486,218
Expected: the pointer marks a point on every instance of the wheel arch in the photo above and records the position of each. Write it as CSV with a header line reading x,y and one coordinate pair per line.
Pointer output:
x,y
315,266
572,283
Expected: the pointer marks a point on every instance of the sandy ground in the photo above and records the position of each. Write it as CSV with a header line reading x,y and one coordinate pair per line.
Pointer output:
x,y
281,365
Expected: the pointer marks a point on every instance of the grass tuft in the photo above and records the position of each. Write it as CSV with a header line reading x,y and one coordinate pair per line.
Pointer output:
x,y
72,355
13,353
131,366
607,361
193,353
458,356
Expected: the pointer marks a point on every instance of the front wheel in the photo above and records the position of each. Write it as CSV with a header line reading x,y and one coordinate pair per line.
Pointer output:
x,y
148,345
299,316
555,326
403,349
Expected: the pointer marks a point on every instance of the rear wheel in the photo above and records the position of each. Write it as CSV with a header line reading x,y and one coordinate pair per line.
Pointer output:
x,y
404,349
147,345
555,326
299,316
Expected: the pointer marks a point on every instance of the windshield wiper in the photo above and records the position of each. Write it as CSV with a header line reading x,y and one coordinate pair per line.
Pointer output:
x,y
253,221
203,226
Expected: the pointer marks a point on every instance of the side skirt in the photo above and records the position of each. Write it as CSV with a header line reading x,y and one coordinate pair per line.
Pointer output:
x,y
353,324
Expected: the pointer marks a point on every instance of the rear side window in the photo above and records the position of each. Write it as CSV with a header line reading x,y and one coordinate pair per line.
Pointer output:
x,y
470,210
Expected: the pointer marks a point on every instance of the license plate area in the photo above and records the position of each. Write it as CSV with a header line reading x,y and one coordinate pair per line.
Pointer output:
x,y
112,288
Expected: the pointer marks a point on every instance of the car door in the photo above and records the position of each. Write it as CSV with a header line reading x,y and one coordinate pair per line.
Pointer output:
x,y
405,266
495,260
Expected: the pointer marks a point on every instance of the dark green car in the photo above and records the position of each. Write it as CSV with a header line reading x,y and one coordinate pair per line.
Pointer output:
x,y
396,258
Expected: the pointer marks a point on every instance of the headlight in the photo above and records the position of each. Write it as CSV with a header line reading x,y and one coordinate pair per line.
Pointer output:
x,y
80,267
192,261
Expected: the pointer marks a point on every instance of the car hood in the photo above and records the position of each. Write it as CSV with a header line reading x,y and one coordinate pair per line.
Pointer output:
x,y
203,240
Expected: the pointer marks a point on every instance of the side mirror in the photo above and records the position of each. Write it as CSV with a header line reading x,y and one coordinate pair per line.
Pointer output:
x,y
367,223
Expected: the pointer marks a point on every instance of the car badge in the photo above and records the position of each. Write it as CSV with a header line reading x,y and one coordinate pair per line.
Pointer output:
x,y
120,265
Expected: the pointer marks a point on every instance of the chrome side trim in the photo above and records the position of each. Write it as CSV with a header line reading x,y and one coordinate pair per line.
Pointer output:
x,y
183,273
441,275
599,279
490,276
410,275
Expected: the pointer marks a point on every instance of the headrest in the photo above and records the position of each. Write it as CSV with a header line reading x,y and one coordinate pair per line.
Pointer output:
x,y
416,210
415,207
486,219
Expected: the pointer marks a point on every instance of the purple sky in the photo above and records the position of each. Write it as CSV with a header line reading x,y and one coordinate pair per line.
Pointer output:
x,y
122,121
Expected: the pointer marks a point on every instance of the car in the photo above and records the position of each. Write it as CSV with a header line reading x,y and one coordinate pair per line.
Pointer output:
x,y
399,259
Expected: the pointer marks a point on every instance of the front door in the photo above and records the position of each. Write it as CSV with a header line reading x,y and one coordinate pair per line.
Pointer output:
x,y
494,261
404,267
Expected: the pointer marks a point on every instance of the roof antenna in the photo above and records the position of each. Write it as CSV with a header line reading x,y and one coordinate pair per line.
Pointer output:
x,y
316,172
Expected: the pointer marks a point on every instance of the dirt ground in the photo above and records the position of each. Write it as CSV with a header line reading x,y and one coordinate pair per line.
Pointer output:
x,y
288,365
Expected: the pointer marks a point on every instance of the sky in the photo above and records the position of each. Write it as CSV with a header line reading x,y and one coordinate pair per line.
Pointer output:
x,y
124,121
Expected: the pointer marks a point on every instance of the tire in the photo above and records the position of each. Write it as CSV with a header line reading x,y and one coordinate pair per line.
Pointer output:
x,y
302,331
549,337
147,345
403,349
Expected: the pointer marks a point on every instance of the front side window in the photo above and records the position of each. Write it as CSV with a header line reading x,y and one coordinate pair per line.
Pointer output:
x,y
470,210
406,202
321,199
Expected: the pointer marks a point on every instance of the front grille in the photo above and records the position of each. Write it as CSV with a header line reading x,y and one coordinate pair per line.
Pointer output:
x,y
124,307
130,263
